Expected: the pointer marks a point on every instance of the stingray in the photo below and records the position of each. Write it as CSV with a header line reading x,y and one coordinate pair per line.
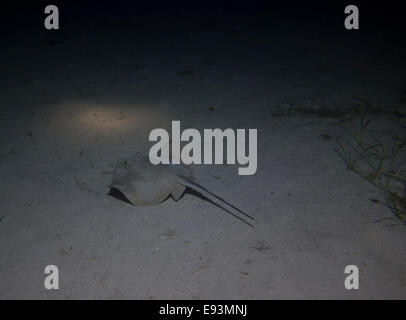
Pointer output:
x,y
142,183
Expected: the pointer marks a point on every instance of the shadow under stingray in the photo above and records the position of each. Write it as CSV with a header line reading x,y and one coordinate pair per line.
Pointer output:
x,y
117,194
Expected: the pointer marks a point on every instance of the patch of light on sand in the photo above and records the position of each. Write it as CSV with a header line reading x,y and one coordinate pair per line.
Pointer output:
x,y
104,118
83,122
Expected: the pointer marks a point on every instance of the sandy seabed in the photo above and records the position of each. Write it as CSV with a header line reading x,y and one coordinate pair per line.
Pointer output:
x,y
71,105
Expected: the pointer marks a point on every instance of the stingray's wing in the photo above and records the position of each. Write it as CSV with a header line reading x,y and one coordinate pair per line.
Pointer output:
x,y
233,210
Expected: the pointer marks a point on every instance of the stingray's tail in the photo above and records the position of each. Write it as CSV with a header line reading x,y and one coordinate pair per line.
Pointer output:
x,y
231,209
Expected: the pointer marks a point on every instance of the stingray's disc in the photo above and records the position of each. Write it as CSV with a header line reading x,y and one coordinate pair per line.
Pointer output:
x,y
141,182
